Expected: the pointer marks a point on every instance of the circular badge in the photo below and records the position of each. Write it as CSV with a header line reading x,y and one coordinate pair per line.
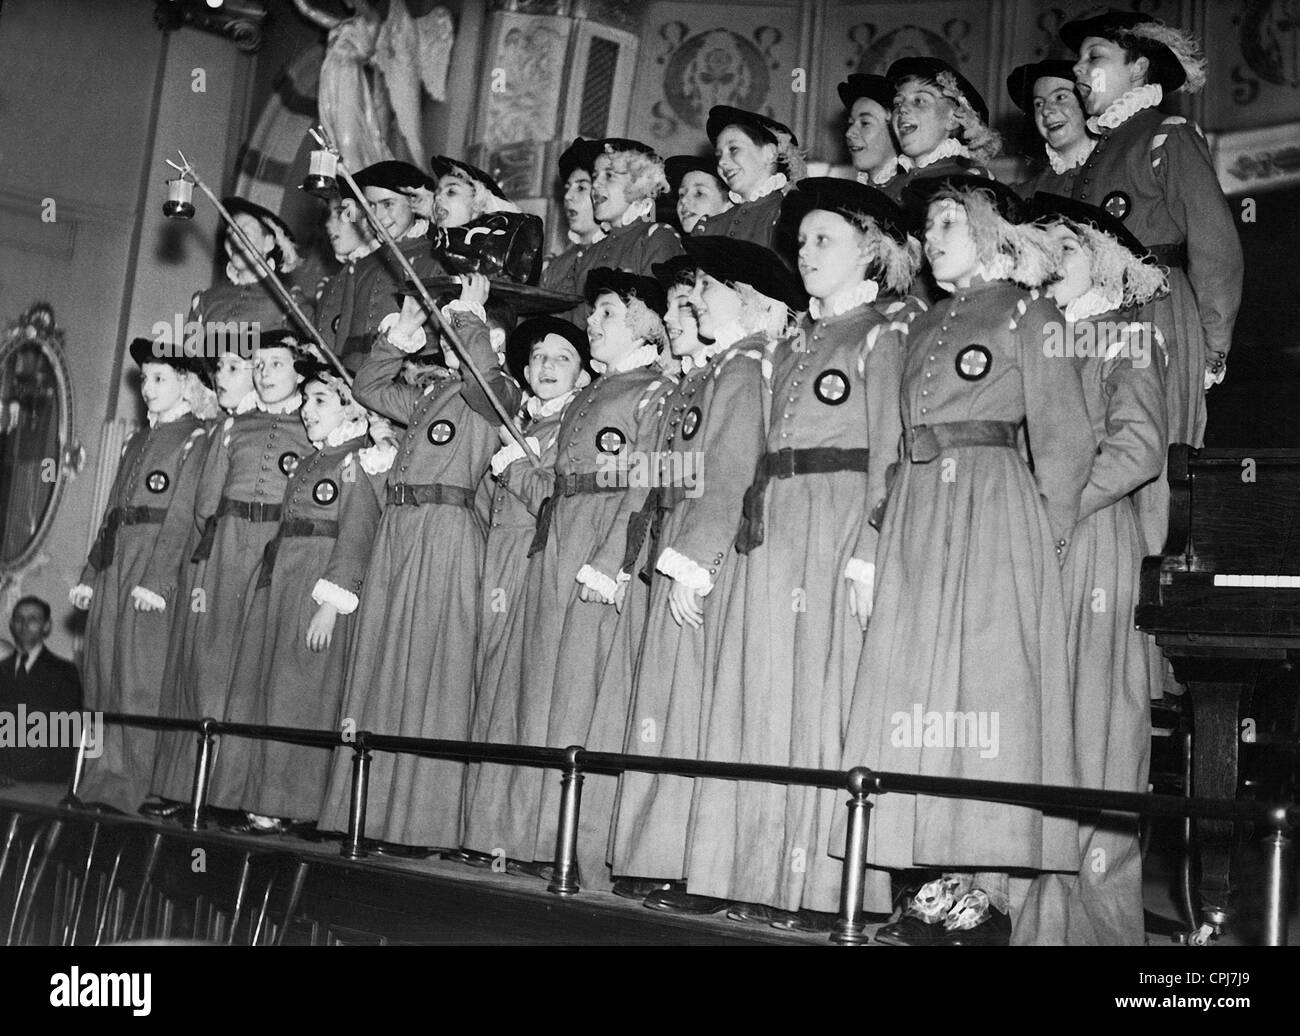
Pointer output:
x,y
691,423
334,324
610,440
832,387
1117,203
157,481
325,491
289,462
973,363
441,432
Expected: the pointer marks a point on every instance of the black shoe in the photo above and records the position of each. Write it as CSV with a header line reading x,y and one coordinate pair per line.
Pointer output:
x,y
814,921
533,868
164,809
247,827
680,902
922,920
982,924
639,888
404,852
753,913
911,931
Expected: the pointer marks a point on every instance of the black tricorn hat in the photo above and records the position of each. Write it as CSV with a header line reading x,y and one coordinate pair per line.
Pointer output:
x,y
159,350
875,88
723,115
1043,207
929,69
531,331
624,144
1020,84
676,167
918,194
625,285
282,338
848,198
674,270
235,205
581,154
394,176
744,262
444,166
312,368
1117,26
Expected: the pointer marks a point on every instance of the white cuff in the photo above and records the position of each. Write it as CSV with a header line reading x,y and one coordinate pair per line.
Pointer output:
x,y
411,343
461,306
325,592
375,460
507,455
863,571
685,571
147,596
598,581
77,591
1212,379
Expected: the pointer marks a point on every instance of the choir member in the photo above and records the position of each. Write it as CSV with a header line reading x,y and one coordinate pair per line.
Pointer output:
x,y
291,659
470,207
235,312
746,300
1044,91
131,576
965,671
868,101
351,241
759,159
561,273
627,177
237,509
1105,274
940,122
411,665
391,188
573,589
1155,173
697,189
793,626
553,358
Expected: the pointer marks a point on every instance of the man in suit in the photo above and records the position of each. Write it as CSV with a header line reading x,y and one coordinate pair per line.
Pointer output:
x,y
36,678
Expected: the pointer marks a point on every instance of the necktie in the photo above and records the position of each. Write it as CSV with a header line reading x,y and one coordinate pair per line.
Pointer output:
x,y
22,664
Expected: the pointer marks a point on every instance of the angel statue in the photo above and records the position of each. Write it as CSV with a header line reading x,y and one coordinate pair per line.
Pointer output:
x,y
405,53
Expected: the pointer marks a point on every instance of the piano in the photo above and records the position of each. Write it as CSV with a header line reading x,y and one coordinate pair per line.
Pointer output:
x,y
1223,603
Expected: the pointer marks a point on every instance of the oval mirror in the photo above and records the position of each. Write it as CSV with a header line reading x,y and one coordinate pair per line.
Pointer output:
x,y
36,451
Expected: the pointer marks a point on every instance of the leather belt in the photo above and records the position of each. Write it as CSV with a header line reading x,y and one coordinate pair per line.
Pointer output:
x,y
249,510
1172,256
570,485
820,460
923,443
648,521
294,528
407,495
101,554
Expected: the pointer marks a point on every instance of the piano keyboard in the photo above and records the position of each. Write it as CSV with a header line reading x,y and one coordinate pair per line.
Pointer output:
x,y
1261,582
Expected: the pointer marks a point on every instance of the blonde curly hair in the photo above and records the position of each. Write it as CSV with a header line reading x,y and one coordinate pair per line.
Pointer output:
x,y
892,265
1116,272
1022,253
981,140
646,173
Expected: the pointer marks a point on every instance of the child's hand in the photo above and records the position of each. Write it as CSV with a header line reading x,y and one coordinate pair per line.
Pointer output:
x,y
474,288
686,605
421,201
79,596
412,317
503,433
320,631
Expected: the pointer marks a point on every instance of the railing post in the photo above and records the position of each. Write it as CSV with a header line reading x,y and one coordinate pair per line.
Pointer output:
x,y
1277,866
564,882
78,770
850,930
353,845
194,820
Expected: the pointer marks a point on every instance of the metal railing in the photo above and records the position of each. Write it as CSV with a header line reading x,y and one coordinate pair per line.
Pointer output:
x,y
860,783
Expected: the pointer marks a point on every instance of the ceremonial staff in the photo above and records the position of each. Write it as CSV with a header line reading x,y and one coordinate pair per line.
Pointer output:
x,y
264,269
426,300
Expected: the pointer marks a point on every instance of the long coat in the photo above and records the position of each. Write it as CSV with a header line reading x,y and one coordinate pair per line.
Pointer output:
x,y
126,649
412,650
277,680
708,448
749,221
373,297
965,671
1155,172
249,461
789,646
1112,662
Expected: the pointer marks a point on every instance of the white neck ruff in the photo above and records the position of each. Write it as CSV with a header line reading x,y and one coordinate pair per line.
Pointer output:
x,y
862,294
637,211
343,431
950,148
538,408
417,229
775,182
242,278
641,356
1088,305
728,335
181,408
285,406
599,235
888,171
1125,107
247,403
1060,164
